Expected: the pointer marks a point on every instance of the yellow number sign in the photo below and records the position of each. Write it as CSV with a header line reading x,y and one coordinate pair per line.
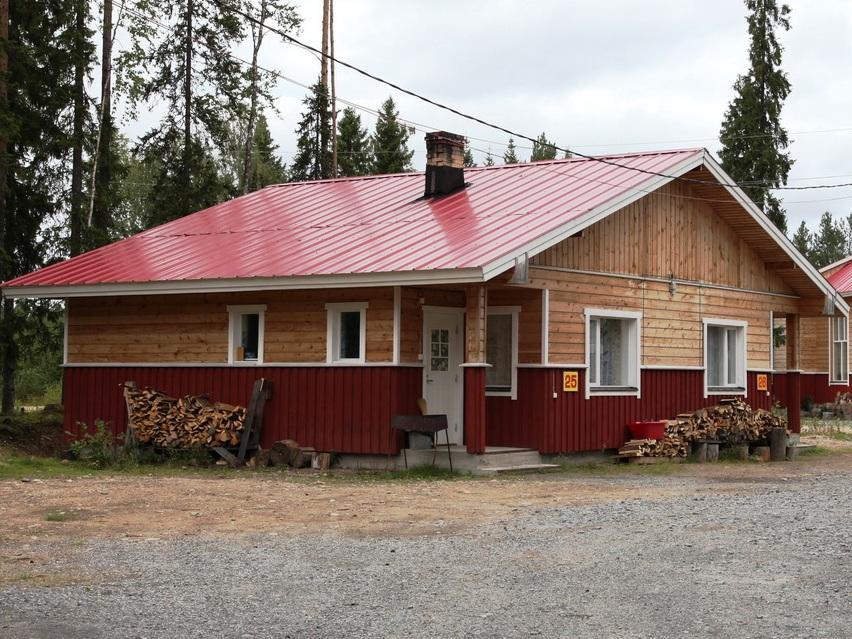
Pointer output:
x,y
762,382
570,381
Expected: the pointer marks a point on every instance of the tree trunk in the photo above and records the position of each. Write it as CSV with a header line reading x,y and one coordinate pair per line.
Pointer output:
x,y
7,344
257,41
187,93
102,162
75,244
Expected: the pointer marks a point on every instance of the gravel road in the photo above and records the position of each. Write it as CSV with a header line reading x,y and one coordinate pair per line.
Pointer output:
x,y
770,558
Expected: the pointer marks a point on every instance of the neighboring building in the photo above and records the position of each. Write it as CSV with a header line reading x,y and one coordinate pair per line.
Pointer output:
x,y
539,305
825,343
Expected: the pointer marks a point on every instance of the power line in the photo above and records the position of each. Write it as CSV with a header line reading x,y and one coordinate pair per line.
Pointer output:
x,y
602,160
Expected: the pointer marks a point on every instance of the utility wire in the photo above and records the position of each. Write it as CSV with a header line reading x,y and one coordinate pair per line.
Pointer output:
x,y
602,160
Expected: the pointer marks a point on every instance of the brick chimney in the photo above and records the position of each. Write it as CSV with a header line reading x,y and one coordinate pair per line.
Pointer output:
x,y
444,163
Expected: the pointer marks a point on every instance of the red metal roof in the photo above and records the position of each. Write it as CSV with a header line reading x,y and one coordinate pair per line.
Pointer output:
x,y
369,225
841,278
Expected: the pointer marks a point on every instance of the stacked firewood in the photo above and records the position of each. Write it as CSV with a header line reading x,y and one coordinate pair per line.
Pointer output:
x,y
191,421
731,422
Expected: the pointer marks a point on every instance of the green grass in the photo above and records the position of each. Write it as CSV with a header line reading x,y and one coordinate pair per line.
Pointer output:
x,y
61,515
611,468
816,451
419,473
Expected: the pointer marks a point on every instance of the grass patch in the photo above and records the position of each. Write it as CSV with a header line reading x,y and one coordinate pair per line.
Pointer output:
x,y
60,515
612,468
816,451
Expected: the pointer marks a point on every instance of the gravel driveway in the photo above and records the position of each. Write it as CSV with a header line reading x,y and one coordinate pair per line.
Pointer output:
x,y
768,559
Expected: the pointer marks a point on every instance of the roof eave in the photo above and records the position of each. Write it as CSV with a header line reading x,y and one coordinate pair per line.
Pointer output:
x,y
234,285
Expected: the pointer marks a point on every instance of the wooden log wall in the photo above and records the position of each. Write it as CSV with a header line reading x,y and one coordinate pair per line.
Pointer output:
x,y
194,328
667,232
672,326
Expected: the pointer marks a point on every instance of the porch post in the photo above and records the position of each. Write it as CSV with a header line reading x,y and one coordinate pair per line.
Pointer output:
x,y
474,369
794,387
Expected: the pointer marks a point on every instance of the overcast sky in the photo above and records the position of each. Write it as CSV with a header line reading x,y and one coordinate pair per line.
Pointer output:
x,y
603,76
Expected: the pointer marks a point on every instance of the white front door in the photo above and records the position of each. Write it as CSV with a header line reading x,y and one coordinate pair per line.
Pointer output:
x,y
442,377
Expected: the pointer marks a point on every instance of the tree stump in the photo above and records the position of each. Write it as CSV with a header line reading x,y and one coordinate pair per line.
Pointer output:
x,y
778,444
699,452
712,452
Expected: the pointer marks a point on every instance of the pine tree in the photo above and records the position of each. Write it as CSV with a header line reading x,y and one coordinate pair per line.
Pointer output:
x,y
803,240
267,167
313,158
489,159
543,149
188,69
753,140
829,242
285,18
510,155
390,142
353,145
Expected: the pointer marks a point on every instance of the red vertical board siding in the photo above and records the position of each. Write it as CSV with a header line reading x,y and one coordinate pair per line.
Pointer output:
x,y
794,399
816,387
569,422
474,409
346,410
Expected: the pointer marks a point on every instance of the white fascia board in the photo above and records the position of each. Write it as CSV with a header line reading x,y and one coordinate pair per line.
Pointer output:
x,y
800,260
586,220
839,262
355,280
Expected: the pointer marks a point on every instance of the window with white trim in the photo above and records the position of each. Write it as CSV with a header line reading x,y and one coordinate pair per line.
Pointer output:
x,y
724,356
347,332
245,334
612,350
501,351
839,350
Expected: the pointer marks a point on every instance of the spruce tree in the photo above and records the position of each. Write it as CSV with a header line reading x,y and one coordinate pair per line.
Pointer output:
x,y
189,71
266,166
36,88
543,149
829,242
489,159
753,139
313,158
353,145
510,155
803,240
469,162
390,142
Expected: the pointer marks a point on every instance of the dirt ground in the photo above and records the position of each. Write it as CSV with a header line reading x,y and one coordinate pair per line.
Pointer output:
x,y
61,513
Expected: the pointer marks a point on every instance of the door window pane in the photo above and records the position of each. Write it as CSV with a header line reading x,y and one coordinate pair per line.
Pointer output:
x,y
350,335
440,349
498,353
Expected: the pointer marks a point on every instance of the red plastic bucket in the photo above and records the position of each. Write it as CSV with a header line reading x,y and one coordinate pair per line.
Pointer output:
x,y
647,430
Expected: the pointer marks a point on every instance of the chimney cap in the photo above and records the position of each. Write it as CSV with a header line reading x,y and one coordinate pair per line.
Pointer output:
x,y
446,137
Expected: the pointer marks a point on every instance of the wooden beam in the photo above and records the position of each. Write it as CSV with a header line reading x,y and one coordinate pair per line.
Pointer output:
x,y
475,321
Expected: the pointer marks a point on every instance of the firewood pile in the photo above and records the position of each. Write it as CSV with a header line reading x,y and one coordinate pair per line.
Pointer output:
x,y
191,421
729,422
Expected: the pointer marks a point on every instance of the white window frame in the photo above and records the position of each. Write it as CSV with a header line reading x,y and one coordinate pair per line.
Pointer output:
x,y
235,313
738,389
333,311
513,311
635,361
831,342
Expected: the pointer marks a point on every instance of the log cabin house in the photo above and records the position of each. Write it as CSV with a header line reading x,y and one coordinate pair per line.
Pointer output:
x,y
540,305
825,344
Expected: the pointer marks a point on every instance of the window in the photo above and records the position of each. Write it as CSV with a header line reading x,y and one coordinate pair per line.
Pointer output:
x,y
501,351
612,351
724,356
347,332
245,334
839,350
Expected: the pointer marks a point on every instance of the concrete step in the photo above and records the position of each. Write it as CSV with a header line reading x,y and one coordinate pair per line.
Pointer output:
x,y
521,468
